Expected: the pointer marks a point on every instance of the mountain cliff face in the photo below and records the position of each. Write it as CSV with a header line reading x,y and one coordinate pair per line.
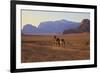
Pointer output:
x,y
28,29
84,27
50,27
56,26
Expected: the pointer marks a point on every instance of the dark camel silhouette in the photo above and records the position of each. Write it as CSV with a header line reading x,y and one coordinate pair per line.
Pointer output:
x,y
59,42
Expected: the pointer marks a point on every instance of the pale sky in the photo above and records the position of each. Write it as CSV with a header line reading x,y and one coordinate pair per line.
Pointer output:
x,y
36,17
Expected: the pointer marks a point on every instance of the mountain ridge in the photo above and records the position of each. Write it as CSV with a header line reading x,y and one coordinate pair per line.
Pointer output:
x,y
84,27
57,26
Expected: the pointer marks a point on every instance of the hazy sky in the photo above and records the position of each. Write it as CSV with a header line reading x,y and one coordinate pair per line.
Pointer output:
x,y
35,17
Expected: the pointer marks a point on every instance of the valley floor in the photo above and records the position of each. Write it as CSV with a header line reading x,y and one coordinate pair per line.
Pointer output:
x,y
38,48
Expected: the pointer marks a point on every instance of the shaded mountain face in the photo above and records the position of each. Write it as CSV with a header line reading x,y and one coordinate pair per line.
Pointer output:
x,y
84,27
29,29
56,26
49,27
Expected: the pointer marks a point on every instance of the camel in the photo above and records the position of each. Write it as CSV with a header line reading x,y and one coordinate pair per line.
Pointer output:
x,y
62,42
59,42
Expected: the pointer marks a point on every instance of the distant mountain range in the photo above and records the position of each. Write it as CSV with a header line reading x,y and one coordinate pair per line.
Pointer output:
x,y
84,27
50,27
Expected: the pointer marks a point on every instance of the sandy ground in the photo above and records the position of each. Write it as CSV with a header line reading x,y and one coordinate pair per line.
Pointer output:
x,y
41,48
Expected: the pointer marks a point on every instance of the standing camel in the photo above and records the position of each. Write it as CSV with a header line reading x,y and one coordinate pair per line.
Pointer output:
x,y
59,42
62,42
56,41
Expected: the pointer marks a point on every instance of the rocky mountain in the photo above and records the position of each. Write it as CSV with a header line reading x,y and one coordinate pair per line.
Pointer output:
x,y
29,29
84,27
50,27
